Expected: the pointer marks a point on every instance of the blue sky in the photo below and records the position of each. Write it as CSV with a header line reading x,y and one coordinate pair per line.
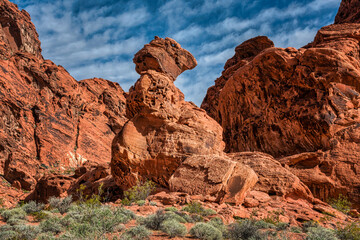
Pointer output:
x,y
99,38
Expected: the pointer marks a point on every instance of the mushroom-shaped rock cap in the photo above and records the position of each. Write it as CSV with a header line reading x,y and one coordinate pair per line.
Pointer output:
x,y
165,56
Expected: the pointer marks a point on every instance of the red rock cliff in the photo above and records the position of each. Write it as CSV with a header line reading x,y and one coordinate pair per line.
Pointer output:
x,y
289,101
47,118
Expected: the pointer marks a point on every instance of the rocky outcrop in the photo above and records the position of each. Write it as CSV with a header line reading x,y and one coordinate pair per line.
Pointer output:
x,y
244,53
163,129
349,12
273,179
226,180
47,118
290,101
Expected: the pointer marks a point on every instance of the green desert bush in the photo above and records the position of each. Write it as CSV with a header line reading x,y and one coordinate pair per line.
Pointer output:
x,y
140,203
219,224
26,232
320,233
245,229
171,209
7,235
15,213
46,236
138,192
33,207
261,224
63,205
52,224
196,207
341,203
205,231
136,233
154,221
43,214
173,228
103,219
349,232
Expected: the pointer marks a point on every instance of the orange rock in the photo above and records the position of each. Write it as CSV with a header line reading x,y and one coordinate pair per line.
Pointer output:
x,y
163,129
50,186
48,119
218,176
273,179
165,56
288,101
348,12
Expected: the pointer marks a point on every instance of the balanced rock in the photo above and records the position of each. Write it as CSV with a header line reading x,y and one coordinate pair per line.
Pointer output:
x,y
213,175
47,118
163,129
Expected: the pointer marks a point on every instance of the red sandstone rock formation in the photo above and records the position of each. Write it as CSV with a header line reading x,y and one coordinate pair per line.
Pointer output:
x,y
289,101
47,118
221,177
163,129
349,12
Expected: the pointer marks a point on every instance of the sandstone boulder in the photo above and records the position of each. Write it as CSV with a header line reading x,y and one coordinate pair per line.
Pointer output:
x,y
213,175
273,179
163,129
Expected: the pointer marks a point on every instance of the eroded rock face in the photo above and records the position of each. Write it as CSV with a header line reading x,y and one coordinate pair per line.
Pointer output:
x,y
244,53
349,12
273,178
163,129
47,118
290,101
212,175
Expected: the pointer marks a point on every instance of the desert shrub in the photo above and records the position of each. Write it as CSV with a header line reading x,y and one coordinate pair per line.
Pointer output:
x,y
261,224
349,232
46,236
7,235
196,207
82,230
63,205
173,228
26,232
309,224
154,221
52,224
295,230
171,209
130,214
245,229
136,233
205,231
320,233
33,207
151,203
219,224
140,203
43,214
138,192
15,213
196,218
341,203
15,221
7,232
104,219
282,226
